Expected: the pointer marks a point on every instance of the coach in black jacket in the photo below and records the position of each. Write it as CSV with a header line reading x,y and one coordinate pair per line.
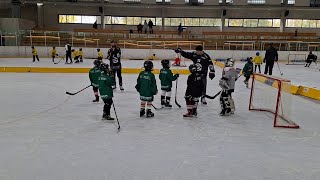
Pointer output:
x,y
270,57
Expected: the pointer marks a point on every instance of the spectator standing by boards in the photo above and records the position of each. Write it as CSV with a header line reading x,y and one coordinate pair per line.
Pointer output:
x,y
68,52
270,57
150,24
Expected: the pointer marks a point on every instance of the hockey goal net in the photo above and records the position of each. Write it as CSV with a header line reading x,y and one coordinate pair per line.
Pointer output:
x,y
296,59
272,95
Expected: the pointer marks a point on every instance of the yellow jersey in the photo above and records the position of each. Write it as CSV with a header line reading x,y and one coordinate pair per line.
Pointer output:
x,y
80,53
100,55
53,52
257,60
34,52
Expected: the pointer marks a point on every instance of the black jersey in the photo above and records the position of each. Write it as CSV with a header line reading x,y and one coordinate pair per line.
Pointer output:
x,y
194,85
114,55
204,60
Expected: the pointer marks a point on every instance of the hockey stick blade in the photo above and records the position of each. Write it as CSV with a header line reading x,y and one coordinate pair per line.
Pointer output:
x,y
78,91
212,97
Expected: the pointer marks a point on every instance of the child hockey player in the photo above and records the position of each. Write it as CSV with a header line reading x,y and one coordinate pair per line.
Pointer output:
x,y
311,58
94,75
194,90
166,78
100,55
147,87
257,62
34,54
105,87
53,53
247,71
75,56
227,83
80,53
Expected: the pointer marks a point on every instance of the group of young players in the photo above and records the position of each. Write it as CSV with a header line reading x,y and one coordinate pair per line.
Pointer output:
x,y
102,78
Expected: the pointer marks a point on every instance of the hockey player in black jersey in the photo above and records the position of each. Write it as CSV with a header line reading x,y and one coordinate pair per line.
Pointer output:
x,y
114,56
194,90
201,60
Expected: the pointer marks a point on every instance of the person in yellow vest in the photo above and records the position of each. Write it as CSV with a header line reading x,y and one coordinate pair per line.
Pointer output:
x,y
80,53
100,55
35,54
257,62
53,53
153,57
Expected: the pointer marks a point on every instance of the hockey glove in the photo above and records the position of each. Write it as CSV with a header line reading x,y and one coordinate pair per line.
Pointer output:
x,y
212,74
178,50
223,84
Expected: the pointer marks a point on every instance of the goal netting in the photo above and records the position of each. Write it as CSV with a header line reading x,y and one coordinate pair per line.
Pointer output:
x,y
271,94
296,59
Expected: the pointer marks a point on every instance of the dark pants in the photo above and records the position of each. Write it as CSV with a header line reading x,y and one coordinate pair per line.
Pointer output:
x,y
53,57
308,63
247,78
255,68
268,68
150,30
68,55
204,79
107,106
117,71
34,58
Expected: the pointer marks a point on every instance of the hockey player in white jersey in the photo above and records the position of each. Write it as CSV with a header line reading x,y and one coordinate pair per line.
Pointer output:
x,y
227,83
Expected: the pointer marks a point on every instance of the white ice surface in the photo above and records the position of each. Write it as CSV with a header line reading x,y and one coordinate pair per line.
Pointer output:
x,y
47,135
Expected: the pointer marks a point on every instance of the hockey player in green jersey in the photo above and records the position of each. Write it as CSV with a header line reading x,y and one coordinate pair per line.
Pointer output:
x,y
166,78
94,75
147,88
247,71
105,87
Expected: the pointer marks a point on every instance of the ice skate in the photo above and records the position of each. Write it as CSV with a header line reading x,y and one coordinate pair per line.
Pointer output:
x,y
203,101
189,113
149,113
96,100
142,112
194,112
121,88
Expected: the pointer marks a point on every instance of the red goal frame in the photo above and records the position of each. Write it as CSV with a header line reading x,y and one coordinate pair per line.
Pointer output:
x,y
279,84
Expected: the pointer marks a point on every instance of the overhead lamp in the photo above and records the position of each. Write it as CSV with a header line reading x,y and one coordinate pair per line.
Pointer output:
x,y
39,4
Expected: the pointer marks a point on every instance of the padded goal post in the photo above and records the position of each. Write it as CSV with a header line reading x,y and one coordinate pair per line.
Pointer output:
x,y
296,59
272,94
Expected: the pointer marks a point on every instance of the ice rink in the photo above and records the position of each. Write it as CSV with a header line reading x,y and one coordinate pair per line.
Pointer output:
x,y
48,135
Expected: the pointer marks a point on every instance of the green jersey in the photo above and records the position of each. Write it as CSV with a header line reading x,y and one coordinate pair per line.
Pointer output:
x,y
166,78
94,75
146,85
105,86
248,69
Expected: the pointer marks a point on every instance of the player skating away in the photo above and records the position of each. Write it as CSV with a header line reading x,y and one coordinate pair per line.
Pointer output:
x,y
203,61
311,58
94,75
195,85
80,53
257,62
100,55
53,53
227,83
34,54
105,83
147,88
166,78
114,56
247,71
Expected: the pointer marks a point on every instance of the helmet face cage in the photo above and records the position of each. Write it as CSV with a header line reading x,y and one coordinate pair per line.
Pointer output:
x,y
104,67
229,62
97,63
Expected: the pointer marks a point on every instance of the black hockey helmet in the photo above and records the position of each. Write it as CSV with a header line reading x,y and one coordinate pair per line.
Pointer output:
x,y
165,63
104,67
97,63
148,65
199,48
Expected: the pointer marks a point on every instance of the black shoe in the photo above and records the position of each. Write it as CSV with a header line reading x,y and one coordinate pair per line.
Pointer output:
x,y
142,112
149,113
121,88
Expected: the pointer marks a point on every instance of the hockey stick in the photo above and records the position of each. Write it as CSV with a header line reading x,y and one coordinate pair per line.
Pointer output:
x,y
175,96
279,68
156,107
213,97
62,58
115,112
78,91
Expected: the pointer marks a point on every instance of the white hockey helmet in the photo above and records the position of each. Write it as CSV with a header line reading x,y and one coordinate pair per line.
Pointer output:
x,y
229,62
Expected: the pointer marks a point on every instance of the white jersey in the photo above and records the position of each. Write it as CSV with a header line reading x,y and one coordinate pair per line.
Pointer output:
x,y
231,75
